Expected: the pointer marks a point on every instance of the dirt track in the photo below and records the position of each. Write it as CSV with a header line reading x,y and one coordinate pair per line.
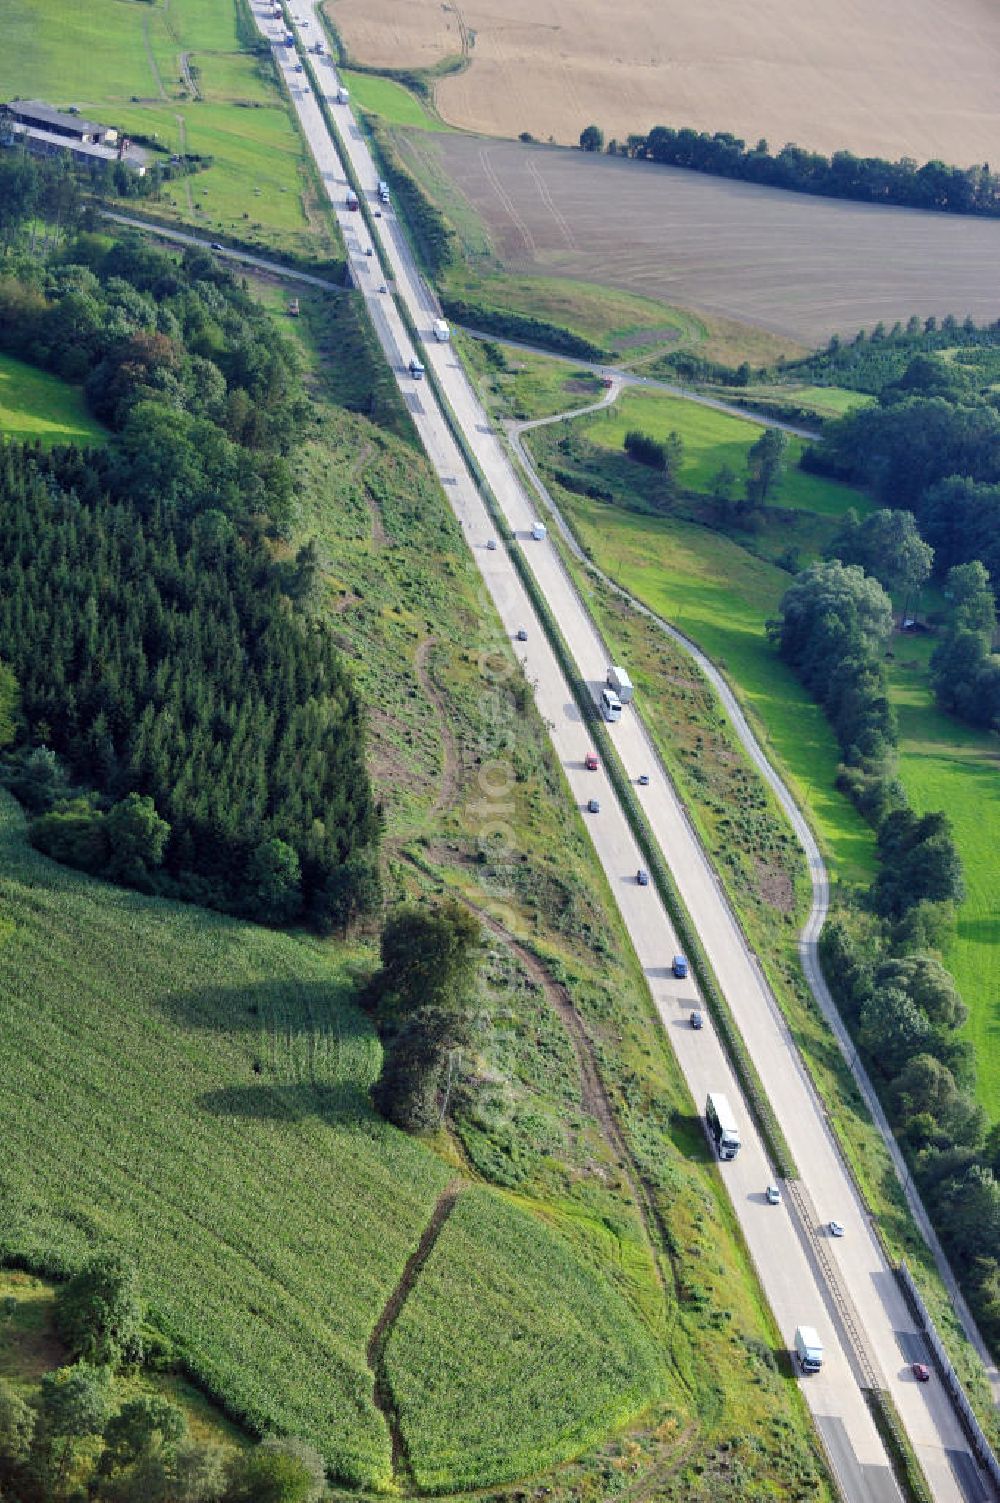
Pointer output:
x,y
801,266
889,77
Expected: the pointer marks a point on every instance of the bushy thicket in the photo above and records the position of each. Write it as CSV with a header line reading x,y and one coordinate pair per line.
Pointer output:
x,y
871,361
931,445
965,668
177,359
935,185
524,326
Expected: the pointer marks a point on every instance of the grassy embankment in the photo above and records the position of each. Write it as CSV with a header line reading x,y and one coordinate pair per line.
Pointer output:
x,y
122,64
212,1117
35,405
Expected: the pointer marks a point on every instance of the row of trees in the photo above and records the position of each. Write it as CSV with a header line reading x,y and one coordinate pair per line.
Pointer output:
x,y
76,1438
208,742
935,185
904,1012
879,955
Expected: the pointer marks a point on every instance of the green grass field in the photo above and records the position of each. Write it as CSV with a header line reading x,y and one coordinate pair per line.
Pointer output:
x,y
389,100
713,439
35,405
120,62
521,385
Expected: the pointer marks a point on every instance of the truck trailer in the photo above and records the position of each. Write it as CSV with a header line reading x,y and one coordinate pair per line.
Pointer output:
x,y
808,1349
721,1123
619,680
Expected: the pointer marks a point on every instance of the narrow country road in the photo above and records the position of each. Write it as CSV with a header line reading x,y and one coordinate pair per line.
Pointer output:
x,y
649,383
845,1287
225,253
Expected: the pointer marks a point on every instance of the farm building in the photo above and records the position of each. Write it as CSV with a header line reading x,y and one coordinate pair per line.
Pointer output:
x,y
38,116
45,131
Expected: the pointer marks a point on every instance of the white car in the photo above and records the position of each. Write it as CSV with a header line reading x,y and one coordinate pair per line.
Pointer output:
x,y
773,1195
835,1229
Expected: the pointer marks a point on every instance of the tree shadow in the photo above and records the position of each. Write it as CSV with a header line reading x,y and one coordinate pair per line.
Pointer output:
x,y
341,1104
287,1006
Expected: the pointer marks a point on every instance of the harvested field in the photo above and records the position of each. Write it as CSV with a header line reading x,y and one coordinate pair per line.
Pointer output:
x,y
880,77
799,266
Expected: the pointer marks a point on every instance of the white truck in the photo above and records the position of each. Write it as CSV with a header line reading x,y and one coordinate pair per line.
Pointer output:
x,y
619,680
538,531
722,1125
416,369
343,95
808,1349
442,333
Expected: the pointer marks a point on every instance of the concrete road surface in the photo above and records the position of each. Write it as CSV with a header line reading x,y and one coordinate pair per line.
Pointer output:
x,y
844,1287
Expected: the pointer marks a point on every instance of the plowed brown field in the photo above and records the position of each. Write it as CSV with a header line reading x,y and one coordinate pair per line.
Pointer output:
x,y
890,77
799,266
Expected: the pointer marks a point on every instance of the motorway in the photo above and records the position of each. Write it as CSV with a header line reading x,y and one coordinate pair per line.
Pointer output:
x,y
844,1287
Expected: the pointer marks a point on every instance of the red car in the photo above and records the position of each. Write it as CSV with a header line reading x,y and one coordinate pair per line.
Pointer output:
x,y
590,762
921,1372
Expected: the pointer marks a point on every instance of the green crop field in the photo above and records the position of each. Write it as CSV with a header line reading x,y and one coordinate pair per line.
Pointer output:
x,y
713,439
35,405
121,62
195,1090
389,100
481,1408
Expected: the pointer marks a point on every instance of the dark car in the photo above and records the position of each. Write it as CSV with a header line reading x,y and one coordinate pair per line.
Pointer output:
x,y
642,877
590,762
522,635
217,245
696,1020
644,780
921,1372
594,806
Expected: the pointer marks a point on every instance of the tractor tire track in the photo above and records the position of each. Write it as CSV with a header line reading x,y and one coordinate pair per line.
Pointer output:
x,y
543,192
490,173
449,786
385,1403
